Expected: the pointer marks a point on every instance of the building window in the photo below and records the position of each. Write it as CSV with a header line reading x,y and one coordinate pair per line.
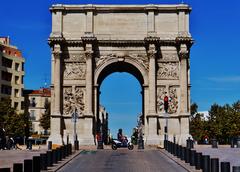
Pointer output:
x,y
6,76
16,105
16,93
33,102
32,115
6,62
22,105
17,66
22,66
5,89
17,80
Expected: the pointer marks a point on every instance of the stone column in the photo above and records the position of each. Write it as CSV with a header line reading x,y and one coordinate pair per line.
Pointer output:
x,y
184,112
55,136
87,136
152,79
152,138
89,80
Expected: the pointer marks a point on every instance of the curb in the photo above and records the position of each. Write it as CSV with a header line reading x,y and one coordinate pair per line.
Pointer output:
x,y
63,163
184,165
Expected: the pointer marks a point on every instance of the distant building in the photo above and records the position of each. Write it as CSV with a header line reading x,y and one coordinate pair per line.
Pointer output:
x,y
103,117
11,73
35,101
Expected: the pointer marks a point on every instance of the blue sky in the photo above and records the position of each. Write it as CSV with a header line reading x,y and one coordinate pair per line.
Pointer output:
x,y
215,56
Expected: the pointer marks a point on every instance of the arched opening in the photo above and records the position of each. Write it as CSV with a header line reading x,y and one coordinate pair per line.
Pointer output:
x,y
120,91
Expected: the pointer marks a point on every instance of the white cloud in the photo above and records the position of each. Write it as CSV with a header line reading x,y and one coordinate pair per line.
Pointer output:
x,y
225,79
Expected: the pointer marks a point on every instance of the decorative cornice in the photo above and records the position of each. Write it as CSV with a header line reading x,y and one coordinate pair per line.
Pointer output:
x,y
184,40
120,43
150,7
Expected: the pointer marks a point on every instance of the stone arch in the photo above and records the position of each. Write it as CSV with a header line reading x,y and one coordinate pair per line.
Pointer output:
x,y
131,66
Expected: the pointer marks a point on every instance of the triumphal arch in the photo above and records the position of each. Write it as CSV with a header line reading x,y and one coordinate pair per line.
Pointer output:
x,y
89,42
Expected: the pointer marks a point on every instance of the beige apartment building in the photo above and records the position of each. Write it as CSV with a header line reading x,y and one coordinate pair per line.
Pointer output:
x,y
35,101
11,73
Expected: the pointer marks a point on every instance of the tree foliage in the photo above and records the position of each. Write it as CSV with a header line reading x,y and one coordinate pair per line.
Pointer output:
x,y
15,124
45,119
222,123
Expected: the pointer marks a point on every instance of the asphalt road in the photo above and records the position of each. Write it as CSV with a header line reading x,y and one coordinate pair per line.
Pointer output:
x,y
122,160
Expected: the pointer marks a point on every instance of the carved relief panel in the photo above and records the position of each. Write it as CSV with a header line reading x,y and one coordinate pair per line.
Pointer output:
x,y
161,91
173,101
74,71
168,71
172,94
73,100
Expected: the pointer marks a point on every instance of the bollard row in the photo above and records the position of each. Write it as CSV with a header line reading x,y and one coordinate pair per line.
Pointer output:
x,y
197,159
43,161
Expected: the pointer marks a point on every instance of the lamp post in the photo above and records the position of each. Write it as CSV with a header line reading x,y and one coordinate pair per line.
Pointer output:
x,y
74,119
166,115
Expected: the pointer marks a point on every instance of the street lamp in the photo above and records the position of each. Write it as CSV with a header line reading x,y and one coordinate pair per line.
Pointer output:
x,y
74,120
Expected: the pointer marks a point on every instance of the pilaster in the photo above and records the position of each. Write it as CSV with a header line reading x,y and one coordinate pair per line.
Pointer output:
x,y
56,116
183,54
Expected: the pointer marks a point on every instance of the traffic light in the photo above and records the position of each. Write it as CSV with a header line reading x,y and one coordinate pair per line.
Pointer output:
x,y
165,103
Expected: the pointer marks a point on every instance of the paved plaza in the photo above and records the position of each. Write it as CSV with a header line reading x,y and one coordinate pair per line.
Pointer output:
x,y
223,152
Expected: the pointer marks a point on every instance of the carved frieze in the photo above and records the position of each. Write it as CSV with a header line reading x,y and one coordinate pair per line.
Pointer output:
x,y
73,100
173,100
142,59
74,71
103,58
161,92
169,57
168,71
74,58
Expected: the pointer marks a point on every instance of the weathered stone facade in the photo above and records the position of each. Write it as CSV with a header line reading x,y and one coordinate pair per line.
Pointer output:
x,y
89,42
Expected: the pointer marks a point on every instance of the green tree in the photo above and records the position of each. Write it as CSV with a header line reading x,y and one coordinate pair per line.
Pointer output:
x,y
13,123
45,119
5,110
197,123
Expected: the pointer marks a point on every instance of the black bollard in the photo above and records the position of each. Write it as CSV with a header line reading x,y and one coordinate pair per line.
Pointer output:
x,y
30,144
188,143
236,169
238,142
69,149
66,150
179,151
183,153
5,169
49,145
58,154
28,165
192,157
214,165
76,145
174,149
198,157
232,142
43,160
63,153
36,164
70,146
225,166
187,155
205,163
17,167
49,158
214,143
54,156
